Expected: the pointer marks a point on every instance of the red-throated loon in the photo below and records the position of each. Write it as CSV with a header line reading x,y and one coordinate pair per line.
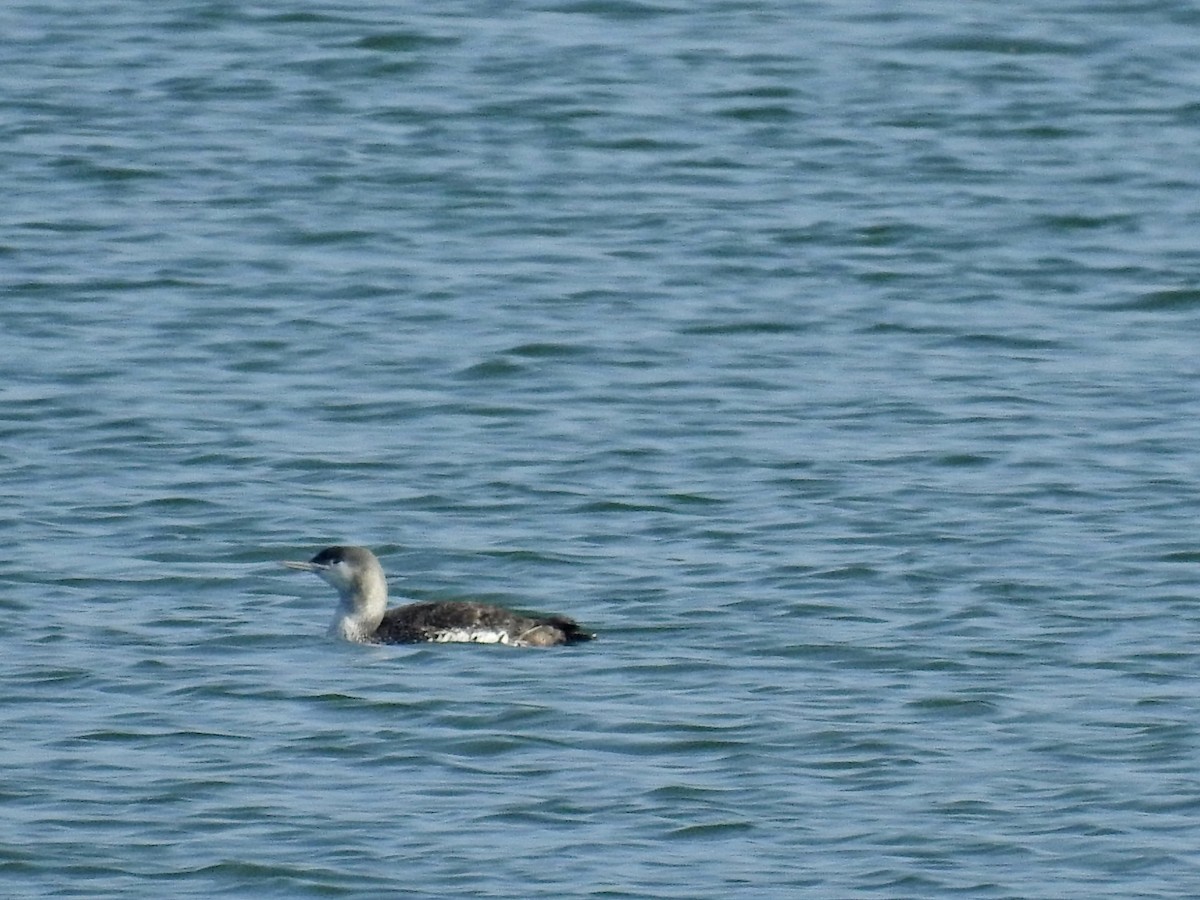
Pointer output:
x,y
362,613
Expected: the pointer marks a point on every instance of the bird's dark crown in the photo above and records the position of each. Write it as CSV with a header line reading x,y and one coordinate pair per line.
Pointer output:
x,y
330,556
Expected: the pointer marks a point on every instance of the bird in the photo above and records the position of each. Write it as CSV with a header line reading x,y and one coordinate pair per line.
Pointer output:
x,y
363,617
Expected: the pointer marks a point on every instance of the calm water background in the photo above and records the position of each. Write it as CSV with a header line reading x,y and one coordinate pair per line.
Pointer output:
x,y
839,362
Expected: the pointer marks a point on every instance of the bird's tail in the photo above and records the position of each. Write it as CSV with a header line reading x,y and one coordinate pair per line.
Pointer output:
x,y
572,632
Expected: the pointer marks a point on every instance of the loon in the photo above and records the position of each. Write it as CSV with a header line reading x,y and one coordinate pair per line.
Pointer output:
x,y
363,617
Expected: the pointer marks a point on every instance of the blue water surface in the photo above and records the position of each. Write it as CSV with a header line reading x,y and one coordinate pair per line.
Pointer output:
x,y
835,362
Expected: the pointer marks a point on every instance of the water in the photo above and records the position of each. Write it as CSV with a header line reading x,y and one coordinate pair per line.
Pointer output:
x,y
835,362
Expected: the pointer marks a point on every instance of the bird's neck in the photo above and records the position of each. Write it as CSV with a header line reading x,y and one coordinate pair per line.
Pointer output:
x,y
360,608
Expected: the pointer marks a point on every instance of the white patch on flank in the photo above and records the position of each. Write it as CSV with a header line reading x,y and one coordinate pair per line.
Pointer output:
x,y
470,636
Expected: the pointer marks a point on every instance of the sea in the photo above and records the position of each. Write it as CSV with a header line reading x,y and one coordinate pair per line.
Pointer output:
x,y
837,363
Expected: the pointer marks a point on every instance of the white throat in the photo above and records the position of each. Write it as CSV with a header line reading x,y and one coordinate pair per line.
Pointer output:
x,y
351,627
362,601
